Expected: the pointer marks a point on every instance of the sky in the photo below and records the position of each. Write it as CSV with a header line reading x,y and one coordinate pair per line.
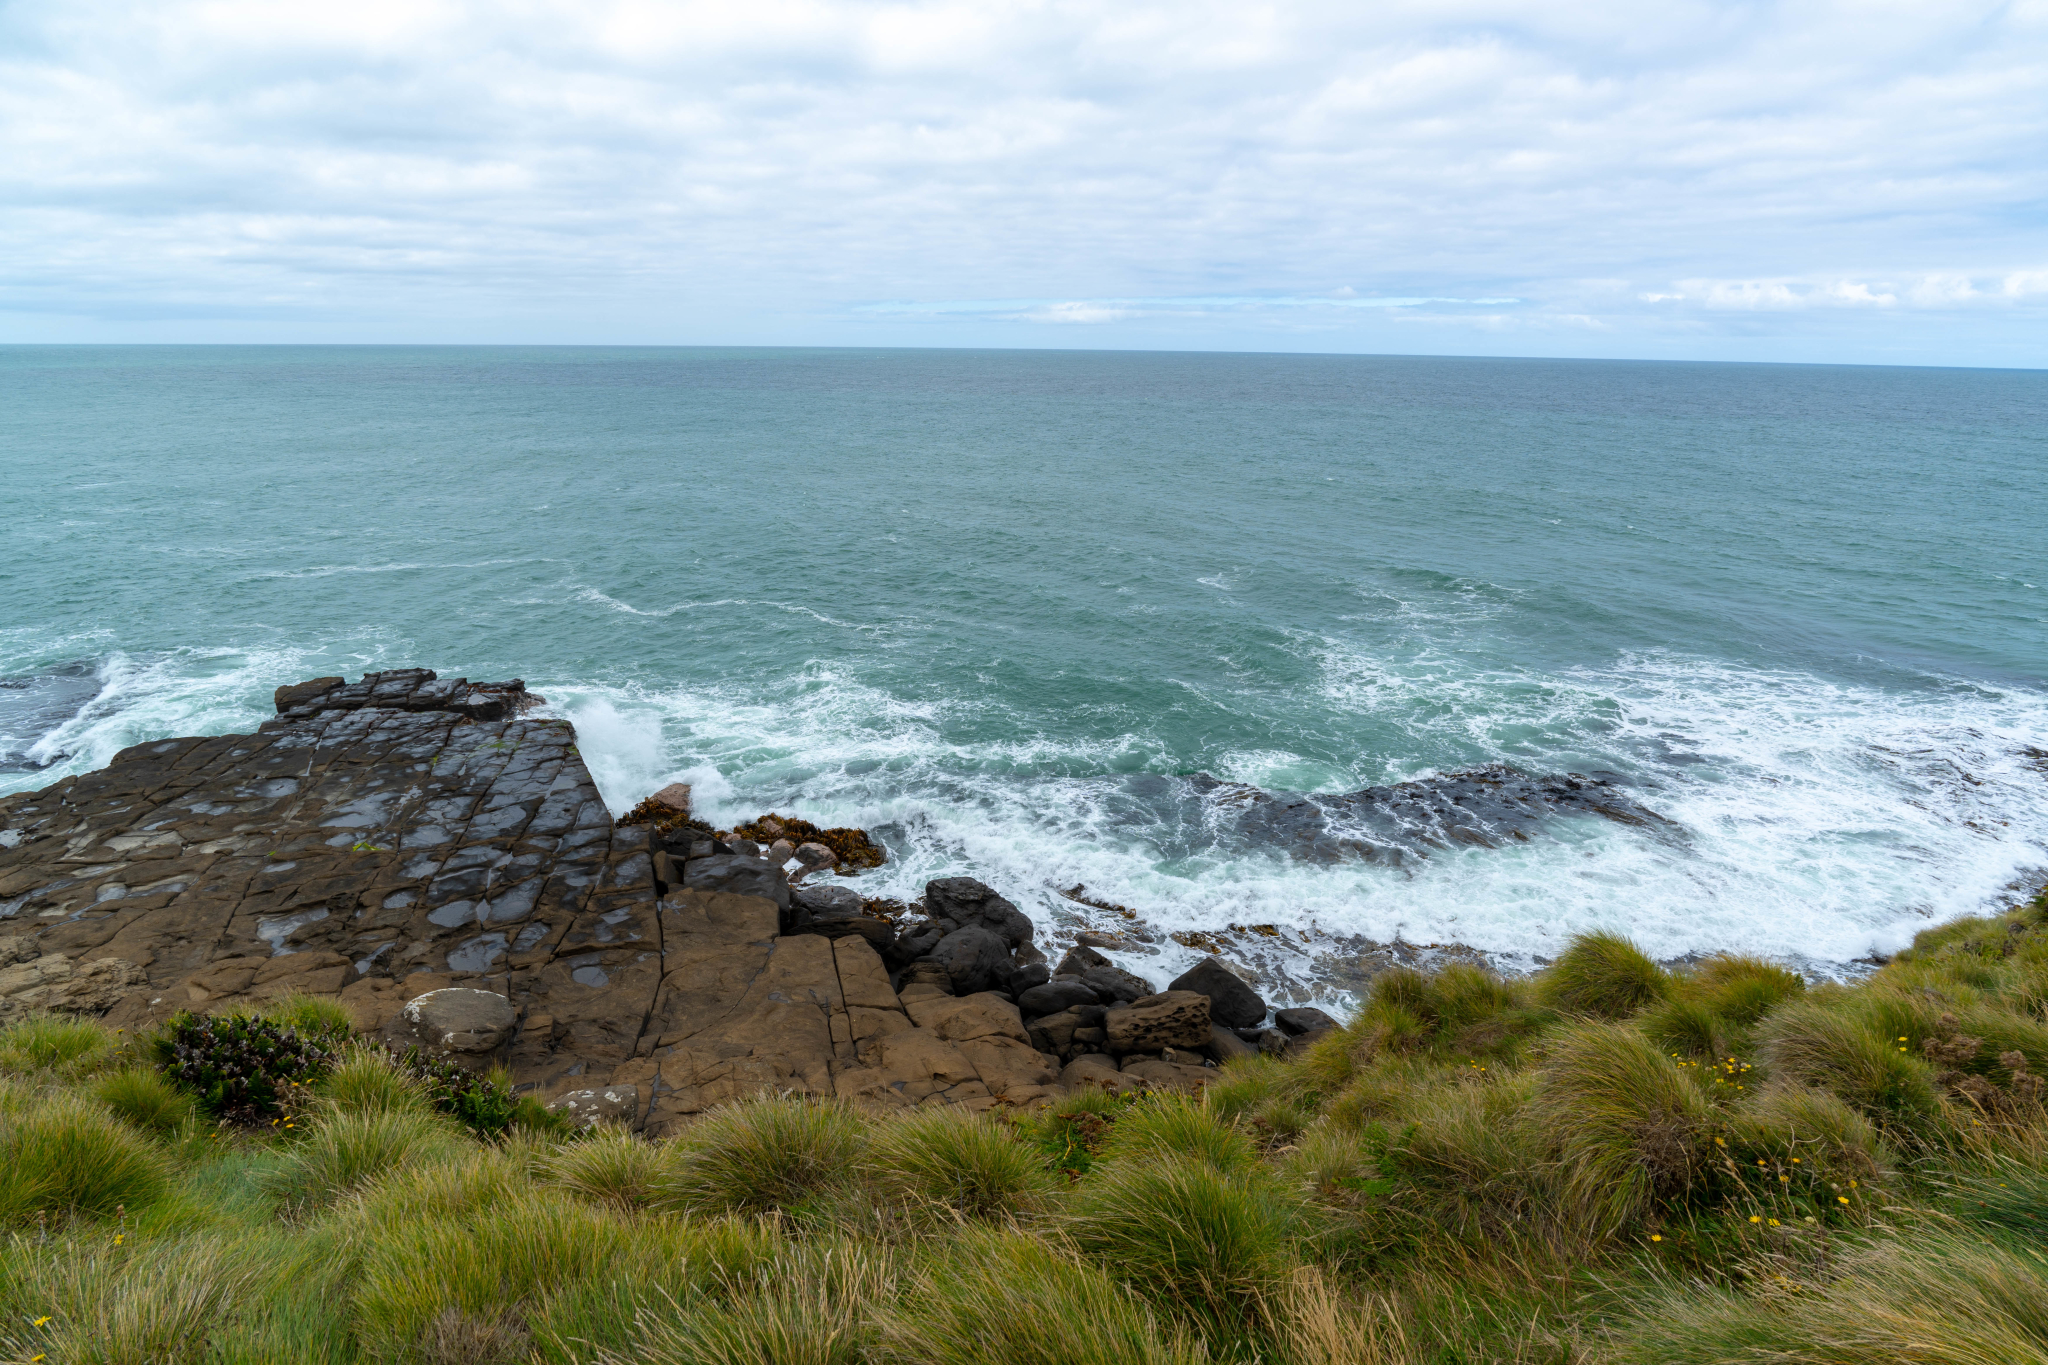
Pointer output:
x,y
1809,182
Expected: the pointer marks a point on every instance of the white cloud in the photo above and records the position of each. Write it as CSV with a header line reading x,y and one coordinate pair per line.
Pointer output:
x,y
1699,176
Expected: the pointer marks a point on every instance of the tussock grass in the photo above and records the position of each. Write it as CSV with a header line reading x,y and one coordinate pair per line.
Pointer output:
x,y
341,1152
120,1305
1603,975
1008,1299
1212,1247
1632,1131
143,1099
364,1081
1817,1043
58,1046
1940,1299
766,1155
67,1156
958,1166
1177,1126
610,1167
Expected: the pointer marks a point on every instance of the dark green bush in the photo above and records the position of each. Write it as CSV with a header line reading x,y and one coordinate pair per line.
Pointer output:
x,y
243,1069
483,1104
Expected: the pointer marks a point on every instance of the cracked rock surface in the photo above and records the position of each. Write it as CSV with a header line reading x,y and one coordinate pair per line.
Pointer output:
x,y
406,834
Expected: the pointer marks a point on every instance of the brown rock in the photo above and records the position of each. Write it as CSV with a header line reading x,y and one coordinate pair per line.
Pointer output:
x,y
454,1022
1093,1071
1170,1019
676,796
1160,1074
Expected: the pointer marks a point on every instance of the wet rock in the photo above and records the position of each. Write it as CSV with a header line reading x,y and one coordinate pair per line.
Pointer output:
x,y
456,1022
1056,996
1177,1019
969,903
1079,960
1304,1020
737,874
975,959
1116,984
814,857
676,796
1232,1002
1226,1046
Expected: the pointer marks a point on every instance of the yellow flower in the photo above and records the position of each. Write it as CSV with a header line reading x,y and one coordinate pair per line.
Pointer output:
x,y
1774,1222
1720,1142
1754,1219
1795,1161
1656,1237
1841,1199
40,1321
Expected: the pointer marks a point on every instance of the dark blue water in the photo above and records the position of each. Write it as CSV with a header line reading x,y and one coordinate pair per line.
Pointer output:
x,y
1001,604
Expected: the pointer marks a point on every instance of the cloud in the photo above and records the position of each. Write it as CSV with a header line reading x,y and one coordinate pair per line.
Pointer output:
x,y
1708,177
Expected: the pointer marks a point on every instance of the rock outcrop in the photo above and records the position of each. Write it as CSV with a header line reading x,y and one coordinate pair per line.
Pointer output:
x,y
442,863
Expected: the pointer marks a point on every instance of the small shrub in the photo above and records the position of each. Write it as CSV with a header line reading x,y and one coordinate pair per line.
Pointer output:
x,y
67,1156
1070,1135
142,1098
341,1152
241,1068
961,1166
53,1043
1603,975
1012,1300
1185,1234
484,1104
763,1155
1176,1126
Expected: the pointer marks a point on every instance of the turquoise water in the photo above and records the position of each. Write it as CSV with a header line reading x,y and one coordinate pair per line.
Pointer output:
x,y
1001,605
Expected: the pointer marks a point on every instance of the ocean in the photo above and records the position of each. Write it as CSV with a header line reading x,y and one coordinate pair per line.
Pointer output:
x,y
1142,623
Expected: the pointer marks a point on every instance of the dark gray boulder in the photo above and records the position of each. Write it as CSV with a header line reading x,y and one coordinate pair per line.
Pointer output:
x,y
739,875
968,902
1078,960
1303,1021
835,912
825,902
975,960
1025,978
1115,984
1232,1002
1225,1046
1055,996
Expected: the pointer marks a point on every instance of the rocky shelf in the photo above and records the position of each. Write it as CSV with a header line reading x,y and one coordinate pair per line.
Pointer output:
x,y
439,859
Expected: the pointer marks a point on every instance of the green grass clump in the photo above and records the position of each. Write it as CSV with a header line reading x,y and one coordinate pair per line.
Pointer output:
x,y
144,1099
611,1167
365,1080
1603,975
1016,1300
957,1166
765,1155
68,1156
1171,1126
61,1046
1184,1234
120,1305
1632,1131
340,1152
